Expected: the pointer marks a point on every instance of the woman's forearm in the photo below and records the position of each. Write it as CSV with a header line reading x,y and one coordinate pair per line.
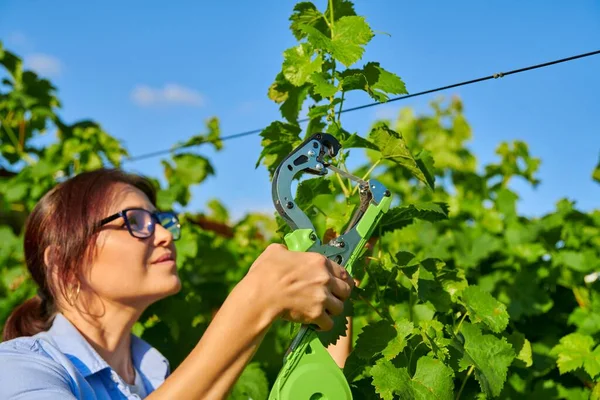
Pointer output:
x,y
225,349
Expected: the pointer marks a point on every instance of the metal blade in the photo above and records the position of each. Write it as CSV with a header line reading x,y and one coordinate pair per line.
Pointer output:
x,y
347,175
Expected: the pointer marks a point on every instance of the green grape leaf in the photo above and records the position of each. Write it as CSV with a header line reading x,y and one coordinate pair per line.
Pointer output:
x,y
393,148
291,107
399,217
402,258
426,165
363,389
483,307
522,347
341,8
279,89
299,65
351,33
595,395
252,384
316,37
596,173
315,125
472,246
403,329
432,380
382,337
354,367
388,379
574,260
340,325
506,202
214,133
309,189
322,86
381,82
279,139
432,333
189,169
346,45
322,110
355,141
490,356
353,79
218,211
212,136
305,13
587,320
575,351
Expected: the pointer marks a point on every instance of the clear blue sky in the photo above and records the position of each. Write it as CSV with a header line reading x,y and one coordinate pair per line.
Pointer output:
x,y
152,72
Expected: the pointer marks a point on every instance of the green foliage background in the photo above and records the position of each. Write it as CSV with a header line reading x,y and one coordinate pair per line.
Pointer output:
x,y
459,297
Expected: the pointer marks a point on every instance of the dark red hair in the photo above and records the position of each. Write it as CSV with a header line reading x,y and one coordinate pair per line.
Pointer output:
x,y
65,221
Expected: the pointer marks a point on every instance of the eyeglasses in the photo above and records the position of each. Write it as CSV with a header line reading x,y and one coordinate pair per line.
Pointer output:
x,y
141,223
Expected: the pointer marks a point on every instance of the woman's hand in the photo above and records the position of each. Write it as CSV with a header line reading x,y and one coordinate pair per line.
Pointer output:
x,y
301,287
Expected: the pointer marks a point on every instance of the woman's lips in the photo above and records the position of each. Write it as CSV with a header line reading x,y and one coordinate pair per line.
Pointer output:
x,y
163,258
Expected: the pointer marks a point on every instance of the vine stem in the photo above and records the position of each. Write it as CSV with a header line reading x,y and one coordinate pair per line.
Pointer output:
x,y
469,372
16,142
340,109
375,164
460,323
342,185
332,19
372,306
332,98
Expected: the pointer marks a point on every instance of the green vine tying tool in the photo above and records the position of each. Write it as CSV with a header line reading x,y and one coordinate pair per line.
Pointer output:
x,y
309,372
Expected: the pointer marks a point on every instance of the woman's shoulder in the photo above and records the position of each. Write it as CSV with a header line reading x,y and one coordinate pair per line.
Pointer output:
x,y
33,351
28,345
38,364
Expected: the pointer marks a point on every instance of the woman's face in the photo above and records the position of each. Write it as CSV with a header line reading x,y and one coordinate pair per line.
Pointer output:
x,y
131,271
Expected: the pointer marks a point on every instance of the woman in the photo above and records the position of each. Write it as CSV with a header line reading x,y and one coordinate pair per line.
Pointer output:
x,y
101,253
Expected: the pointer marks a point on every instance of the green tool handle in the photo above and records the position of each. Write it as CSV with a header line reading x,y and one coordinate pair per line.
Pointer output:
x,y
309,372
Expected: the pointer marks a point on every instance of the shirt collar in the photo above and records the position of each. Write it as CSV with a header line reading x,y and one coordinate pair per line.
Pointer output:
x,y
149,361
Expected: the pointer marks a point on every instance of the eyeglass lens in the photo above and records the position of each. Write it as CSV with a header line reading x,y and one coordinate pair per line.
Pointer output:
x,y
142,223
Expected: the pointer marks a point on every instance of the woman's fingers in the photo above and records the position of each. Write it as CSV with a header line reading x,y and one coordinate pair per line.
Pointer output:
x,y
333,305
339,272
324,322
340,288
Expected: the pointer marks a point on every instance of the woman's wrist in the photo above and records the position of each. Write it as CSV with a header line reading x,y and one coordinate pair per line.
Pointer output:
x,y
261,297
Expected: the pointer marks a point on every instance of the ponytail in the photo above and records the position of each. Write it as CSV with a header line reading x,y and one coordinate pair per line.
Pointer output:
x,y
29,318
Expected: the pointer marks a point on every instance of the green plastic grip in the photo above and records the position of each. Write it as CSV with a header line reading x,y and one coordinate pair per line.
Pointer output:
x,y
310,374
300,239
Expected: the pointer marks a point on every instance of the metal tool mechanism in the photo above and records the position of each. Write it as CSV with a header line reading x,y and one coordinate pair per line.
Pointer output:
x,y
309,372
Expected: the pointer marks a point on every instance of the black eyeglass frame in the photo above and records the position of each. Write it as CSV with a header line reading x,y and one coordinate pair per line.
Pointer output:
x,y
154,217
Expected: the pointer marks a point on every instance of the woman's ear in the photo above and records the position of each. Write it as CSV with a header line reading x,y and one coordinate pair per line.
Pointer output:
x,y
50,257
51,264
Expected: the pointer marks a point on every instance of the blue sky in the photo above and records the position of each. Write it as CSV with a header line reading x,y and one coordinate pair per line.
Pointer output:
x,y
151,74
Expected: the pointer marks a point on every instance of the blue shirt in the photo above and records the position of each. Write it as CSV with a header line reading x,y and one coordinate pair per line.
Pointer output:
x,y
61,364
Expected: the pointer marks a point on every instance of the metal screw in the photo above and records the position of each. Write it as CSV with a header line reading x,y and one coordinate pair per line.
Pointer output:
x,y
311,153
315,144
289,204
342,244
312,236
387,193
319,166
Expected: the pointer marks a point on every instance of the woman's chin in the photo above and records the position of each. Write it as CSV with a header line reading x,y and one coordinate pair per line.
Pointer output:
x,y
169,286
